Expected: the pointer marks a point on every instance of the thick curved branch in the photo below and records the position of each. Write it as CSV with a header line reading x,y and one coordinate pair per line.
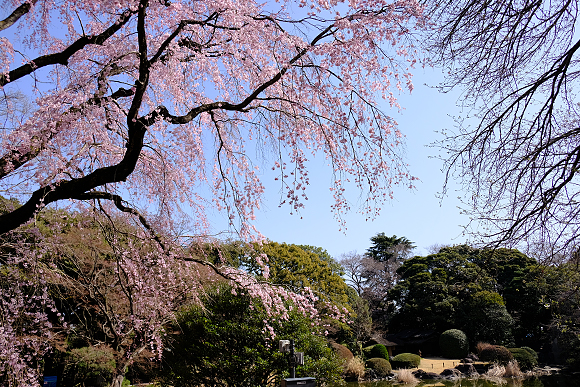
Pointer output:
x,y
17,14
63,56
137,127
75,187
15,158
241,106
112,174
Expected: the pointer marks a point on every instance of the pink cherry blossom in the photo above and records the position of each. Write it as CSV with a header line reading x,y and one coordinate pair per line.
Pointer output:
x,y
155,110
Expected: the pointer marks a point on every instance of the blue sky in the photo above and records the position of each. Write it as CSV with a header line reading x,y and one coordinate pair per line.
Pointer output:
x,y
418,215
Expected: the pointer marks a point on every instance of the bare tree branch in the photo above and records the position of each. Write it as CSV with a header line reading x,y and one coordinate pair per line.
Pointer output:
x,y
519,64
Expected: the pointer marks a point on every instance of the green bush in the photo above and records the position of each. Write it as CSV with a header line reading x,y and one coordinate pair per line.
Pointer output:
x,y
570,344
495,354
90,365
406,360
524,358
367,351
453,344
225,341
379,351
381,366
532,352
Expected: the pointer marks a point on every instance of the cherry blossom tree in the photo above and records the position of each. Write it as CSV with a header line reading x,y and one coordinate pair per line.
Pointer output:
x,y
74,281
153,109
155,100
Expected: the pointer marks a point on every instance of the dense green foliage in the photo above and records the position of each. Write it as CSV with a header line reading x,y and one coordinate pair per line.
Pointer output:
x,y
433,290
524,286
492,295
484,317
324,256
563,283
228,343
453,344
405,360
380,365
531,352
379,350
88,365
495,354
525,358
385,248
367,351
297,268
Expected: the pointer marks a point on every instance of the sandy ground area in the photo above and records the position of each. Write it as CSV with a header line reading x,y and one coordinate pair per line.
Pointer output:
x,y
436,364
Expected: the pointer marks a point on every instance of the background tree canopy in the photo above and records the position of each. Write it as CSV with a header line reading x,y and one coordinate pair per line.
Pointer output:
x,y
299,267
491,295
374,273
385,248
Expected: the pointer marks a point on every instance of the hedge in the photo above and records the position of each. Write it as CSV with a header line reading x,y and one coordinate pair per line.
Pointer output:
x,y
381,366
453,344
495,354
406,360
525,359
367,351
379,351
532,352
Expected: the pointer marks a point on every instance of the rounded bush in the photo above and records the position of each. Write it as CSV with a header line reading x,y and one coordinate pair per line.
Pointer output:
x,y
453,344
381,366
406,360
367,351
532,352
525,359
495,354
380,351
342,351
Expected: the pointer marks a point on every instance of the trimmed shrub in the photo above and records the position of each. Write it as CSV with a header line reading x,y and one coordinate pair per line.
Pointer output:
x,y
453,344
532,352
381,366
367,351
480,346
342,351
494,354
406,360
525,359
379,350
